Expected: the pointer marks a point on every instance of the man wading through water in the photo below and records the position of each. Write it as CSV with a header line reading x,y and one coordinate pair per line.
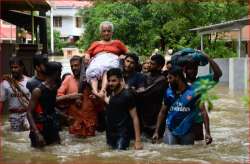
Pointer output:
x,y
84,114
180,110
44,123
119,111
13,90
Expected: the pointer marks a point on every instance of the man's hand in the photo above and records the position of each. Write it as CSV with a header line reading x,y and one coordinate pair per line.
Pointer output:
x,y
106,98
86,59
155,137
208,139
40,139
138,145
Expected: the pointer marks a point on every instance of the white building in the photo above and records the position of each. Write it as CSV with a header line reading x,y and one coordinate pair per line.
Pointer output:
x,y
65,19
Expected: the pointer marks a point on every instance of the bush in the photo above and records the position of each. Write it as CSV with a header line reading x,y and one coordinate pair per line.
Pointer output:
x,y
219,50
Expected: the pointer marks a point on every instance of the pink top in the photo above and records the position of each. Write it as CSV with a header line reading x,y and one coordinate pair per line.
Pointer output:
x,y
115,46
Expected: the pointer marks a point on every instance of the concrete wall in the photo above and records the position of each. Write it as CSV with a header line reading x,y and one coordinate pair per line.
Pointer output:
x,y
235,72
224,65
238,73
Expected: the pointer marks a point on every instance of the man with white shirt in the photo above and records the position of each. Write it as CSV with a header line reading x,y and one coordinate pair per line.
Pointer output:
x,y
13,90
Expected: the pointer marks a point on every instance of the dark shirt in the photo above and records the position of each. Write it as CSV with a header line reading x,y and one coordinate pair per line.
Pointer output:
x,y
151,78
46,117
33,83
150,101
118,119
135,80
47,99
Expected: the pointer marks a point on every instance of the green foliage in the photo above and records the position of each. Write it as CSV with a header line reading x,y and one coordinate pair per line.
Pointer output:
x,y
246,100
125,17
177,33
206,96
144,25
220,50
58,42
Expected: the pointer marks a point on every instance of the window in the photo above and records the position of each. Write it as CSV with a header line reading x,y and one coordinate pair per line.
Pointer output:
x,y
78,22
57,22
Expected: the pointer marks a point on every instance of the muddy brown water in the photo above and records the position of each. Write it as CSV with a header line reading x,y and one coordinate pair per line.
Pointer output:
x,y
229,129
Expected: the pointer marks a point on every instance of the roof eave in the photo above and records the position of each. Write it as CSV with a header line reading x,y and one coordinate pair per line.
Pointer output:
x,y
235,24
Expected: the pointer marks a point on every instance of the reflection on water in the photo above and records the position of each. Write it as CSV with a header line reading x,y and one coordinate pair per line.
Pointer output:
x,y
229,129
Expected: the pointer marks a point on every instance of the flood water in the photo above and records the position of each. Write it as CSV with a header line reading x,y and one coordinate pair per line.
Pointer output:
x,y
228,124
229,129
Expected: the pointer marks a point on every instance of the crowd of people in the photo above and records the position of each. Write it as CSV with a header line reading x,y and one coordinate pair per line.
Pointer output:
x,y
109,90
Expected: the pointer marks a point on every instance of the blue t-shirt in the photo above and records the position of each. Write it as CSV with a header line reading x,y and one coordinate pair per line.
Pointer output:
x,y
182,110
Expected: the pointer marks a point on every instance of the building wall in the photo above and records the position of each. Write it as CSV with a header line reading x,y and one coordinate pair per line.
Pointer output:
x,y
67,27
235,72
68,22
238,73
65,11
224,65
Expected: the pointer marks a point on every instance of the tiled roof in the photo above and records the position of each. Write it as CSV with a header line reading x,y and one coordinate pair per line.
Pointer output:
x,y
71,3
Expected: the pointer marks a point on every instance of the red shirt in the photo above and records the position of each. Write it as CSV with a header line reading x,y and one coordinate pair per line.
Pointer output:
x,y
115,46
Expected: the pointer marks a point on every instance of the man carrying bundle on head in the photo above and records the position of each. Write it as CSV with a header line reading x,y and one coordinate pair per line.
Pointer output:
x,y
44,122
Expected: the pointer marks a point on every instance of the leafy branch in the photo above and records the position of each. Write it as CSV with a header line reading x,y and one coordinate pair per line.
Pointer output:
x,y
204,90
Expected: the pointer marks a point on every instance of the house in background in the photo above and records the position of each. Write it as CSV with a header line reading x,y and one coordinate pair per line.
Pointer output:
x,y
9,33
23,31
66,21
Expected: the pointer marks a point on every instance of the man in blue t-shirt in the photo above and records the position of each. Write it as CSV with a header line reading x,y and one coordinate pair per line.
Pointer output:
x,y
180,105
